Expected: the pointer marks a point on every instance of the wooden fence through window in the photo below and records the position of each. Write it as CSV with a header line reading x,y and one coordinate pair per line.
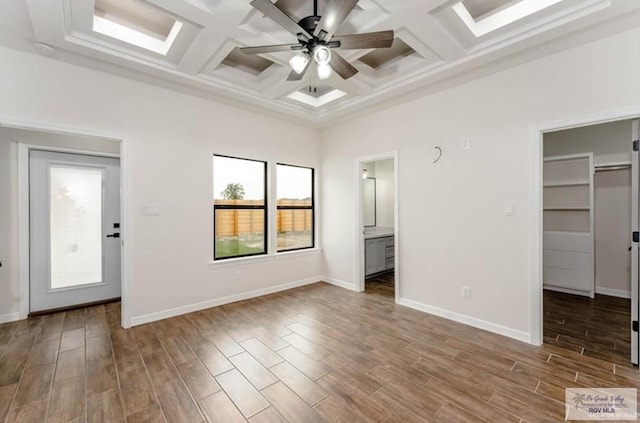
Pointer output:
x,y
233,223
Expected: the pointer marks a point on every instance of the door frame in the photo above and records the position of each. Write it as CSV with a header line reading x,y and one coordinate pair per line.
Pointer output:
x,y
23,206
536,150
360,271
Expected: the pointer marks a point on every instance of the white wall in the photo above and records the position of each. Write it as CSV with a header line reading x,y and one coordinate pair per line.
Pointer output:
x,y
610,143
169,142
452,227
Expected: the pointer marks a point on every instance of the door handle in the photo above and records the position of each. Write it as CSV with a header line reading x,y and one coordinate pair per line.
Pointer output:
x,y
116,235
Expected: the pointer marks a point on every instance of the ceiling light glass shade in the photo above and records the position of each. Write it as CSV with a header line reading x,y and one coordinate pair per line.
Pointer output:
x,y
324,71
299,62
322,55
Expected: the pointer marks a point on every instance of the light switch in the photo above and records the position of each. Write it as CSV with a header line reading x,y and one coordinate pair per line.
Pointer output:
x,y
150,209
510,210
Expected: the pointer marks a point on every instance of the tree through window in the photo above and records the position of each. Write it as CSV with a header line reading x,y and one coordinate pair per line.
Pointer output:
x,y
239,207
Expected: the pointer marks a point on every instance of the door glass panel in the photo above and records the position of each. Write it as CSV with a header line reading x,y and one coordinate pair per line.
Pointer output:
x,y
75,225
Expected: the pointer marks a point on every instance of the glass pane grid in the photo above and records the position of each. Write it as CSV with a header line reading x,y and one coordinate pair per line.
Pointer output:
x,y
295,208
239,202
239,233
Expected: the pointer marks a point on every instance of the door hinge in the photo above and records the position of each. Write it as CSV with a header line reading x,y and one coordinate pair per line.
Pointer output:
x,y
634,325
636,236
636,145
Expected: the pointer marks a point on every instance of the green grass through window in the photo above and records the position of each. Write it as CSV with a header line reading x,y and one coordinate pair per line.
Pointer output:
x,y
231,247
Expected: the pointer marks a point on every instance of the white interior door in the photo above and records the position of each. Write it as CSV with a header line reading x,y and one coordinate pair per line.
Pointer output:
x,y
635,186
74,214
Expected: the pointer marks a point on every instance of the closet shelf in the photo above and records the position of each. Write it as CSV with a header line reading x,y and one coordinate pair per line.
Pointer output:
x,y
567,208
566,183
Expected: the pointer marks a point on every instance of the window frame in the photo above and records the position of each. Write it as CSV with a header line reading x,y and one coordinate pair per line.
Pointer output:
x,y
264,208
312,208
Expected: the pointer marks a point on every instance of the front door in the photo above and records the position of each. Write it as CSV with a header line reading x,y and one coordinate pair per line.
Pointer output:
x,y
74,215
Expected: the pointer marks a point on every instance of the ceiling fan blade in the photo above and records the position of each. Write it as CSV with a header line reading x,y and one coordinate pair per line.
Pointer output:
x,y
381,39
294,76
334,14
270,49
279,16
340,66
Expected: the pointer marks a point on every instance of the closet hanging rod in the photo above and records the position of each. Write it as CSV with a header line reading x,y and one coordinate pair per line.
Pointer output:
x,y
602,168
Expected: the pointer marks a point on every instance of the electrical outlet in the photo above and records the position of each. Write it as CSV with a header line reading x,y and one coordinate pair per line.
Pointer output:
x,y
465,143
236,275
466,292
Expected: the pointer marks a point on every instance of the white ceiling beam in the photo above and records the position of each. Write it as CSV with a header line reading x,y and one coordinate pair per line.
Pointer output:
x,y
191,10
437,39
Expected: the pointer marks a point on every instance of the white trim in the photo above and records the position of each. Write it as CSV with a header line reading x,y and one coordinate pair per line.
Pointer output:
x,y
503,17
582,293
613,292
536,144
467,320
241,261
341,284
23,230
624,163
23,206
190,308
10,317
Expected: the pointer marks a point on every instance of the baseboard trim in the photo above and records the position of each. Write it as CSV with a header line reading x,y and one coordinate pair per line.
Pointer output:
x,y
165,314
467,320
341,284
10,317
589,294
613,292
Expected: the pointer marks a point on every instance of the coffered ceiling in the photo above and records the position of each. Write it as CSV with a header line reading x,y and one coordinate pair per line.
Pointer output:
x,y
193,45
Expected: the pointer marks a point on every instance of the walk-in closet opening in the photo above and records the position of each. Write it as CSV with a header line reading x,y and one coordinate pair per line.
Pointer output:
x,y
587,242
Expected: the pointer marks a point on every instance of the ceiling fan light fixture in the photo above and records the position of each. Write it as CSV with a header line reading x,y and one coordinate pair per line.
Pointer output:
x,y
299,62
324,71
322,55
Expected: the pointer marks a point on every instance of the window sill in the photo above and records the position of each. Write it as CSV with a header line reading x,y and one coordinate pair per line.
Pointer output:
x,y
298,253
263,258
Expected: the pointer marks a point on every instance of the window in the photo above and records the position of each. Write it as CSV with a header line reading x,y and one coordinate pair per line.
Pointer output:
x,y
295,208
239,207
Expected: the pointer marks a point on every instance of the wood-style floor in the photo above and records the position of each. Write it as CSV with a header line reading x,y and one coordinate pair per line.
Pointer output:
x,y
595,328
381,285
313,354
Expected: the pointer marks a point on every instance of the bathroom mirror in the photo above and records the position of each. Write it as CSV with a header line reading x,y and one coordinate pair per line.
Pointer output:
x,y
369,201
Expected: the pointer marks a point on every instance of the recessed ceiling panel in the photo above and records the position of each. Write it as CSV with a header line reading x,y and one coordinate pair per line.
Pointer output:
x,y
478,8
298,9
311,99
316,91
251,63
136,16
383,56
136,23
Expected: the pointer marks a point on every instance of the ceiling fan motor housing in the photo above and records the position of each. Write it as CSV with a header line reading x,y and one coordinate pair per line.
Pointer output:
x,y
309,23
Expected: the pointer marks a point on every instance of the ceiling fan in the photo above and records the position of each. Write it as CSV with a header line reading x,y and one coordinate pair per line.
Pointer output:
x,y
316,39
